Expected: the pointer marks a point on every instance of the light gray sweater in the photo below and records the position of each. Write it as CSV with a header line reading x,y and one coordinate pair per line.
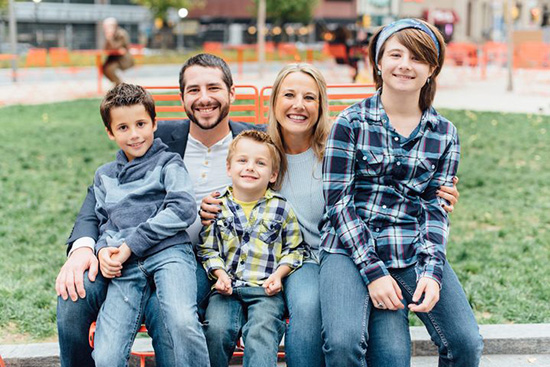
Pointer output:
x,y
303,189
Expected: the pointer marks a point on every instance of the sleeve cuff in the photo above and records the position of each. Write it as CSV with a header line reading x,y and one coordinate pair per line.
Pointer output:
x,y
87,242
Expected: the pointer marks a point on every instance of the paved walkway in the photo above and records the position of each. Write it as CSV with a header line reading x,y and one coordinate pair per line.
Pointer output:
x,y
459,87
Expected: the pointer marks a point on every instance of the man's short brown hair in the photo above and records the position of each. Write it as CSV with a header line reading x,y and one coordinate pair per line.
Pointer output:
x,y
260,137
124,95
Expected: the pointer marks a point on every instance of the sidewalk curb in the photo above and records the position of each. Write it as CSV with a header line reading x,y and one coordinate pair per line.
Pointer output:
x,y
499,339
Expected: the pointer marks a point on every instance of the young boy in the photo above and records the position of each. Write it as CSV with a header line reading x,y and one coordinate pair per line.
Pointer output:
x,y
145,202
249,248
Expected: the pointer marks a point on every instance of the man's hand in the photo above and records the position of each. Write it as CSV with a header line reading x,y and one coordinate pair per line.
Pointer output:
x,y
450,194
210,207
223,284
385,293
273,284
70,280
110,267
430,289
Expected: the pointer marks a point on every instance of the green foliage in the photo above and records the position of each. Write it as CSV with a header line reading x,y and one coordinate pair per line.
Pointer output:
x,y
283,11
499,243
160,7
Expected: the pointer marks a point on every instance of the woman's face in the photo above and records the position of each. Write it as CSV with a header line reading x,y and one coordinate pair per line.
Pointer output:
x,y
401,70
297,105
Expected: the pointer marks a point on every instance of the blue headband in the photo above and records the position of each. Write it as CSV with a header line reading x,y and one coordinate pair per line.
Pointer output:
x,y
398,25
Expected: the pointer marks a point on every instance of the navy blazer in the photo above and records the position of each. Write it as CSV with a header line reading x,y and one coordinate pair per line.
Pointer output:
x,y
172,133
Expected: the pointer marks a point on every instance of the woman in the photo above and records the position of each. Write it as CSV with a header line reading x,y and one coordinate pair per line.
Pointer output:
x,y
384,234
299,124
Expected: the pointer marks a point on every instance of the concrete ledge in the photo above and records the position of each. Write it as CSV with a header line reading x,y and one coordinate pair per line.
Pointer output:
x,y
519,339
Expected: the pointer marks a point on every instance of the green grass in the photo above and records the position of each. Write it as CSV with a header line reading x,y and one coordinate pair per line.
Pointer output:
x,y
500,229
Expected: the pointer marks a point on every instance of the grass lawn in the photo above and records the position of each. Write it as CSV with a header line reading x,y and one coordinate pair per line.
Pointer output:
x,y
500,230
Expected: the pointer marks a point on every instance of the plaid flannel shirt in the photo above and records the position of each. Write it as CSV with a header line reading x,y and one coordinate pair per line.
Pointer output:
x,y
380,189
251,250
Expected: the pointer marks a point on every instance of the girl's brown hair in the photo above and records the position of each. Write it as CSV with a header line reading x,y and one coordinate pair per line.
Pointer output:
x,y
421,45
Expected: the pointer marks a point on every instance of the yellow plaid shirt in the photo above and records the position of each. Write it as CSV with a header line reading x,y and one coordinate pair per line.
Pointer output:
x,y
250,250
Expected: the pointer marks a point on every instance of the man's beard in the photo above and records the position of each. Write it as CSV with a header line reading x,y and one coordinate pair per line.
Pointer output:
x,y
224,111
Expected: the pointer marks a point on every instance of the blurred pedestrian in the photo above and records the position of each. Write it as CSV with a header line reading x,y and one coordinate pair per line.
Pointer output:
x,y
117,44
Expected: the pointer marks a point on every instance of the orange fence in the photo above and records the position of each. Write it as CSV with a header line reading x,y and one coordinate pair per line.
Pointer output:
x,y
253,107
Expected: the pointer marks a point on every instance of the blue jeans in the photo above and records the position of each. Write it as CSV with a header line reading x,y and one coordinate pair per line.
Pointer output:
x,y
350,322
303,341
173,271
74,319
259,316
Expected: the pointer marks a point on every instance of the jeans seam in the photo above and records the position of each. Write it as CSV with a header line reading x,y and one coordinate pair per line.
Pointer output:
x,y
365,324
430,317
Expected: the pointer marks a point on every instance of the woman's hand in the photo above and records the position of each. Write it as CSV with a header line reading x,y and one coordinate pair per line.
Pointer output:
x,y
430,289
385,293
450,194
210,207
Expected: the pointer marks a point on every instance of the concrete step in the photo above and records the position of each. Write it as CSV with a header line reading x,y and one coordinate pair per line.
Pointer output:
x,y
505,345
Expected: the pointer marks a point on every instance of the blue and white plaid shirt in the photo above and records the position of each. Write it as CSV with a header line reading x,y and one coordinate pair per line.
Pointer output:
x,y
380,190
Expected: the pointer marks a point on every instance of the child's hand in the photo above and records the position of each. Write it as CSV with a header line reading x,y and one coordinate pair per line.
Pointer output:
x,y
223,284
109,266
385,293
123,254
273,284
430,289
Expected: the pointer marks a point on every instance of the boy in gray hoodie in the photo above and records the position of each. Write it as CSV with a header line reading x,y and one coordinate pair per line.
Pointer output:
x,y
144,203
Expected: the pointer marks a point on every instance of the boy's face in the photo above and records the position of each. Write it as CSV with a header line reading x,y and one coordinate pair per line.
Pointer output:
x,y
132,129
251,168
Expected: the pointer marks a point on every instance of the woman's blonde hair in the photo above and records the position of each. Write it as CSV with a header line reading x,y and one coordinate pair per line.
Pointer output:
x,y
422,46
321,127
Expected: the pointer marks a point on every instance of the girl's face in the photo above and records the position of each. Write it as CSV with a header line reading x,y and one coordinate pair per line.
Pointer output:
x,y
401,70
297,105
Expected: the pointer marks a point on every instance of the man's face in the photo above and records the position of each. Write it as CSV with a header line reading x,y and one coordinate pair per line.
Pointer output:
x,y
109,29
206,98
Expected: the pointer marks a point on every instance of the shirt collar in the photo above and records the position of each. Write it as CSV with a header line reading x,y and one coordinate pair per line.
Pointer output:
x,y
269,194
375,112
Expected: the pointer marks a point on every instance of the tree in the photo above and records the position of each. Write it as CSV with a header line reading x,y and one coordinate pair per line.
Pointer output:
x,y
159,8
287,11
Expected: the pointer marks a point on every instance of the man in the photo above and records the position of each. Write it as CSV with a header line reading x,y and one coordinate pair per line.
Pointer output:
x,y
117,42
207,91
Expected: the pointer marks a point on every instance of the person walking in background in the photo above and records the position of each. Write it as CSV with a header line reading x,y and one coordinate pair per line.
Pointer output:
x,y
117,43
385,231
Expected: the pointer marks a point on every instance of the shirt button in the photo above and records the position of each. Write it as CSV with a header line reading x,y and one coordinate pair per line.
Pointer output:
x,y
384,207
364,158
206,163
433,166
396,138
209,150
203,175
398,163
377,229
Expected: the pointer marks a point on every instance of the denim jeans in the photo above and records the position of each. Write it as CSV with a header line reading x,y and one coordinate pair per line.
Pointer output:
x,y
350,322
74,319
303,341
173,271
257,315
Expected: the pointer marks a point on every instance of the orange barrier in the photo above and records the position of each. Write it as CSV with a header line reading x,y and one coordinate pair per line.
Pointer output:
x,y
36,57
140,355
532,55
59,56
214,48
2,364
462,53
168,103
340,96
287,49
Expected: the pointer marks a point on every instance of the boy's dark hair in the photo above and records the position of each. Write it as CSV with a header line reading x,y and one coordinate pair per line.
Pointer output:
x,y
207,61
126,95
